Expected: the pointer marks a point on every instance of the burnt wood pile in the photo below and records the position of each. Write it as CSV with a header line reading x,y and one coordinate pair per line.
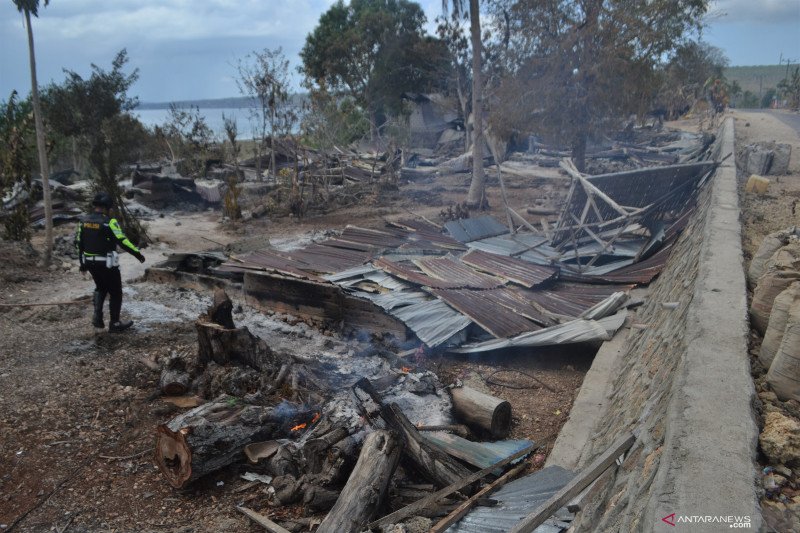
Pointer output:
x,y
276,416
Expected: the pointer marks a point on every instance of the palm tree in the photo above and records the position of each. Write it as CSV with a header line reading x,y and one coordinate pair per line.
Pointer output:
x,y
478,179
28,8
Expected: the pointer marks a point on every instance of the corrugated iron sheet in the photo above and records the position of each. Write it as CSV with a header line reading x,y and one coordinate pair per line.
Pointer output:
x,y
328,259
508,244
571,299
378,239
472,229
407,273
485,309
270,262
453,270
479,454
515,270
573,332
641,273
434,322
515,501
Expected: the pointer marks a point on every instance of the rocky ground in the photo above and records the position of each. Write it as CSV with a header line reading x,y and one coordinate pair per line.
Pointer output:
x,y
779,421
78,408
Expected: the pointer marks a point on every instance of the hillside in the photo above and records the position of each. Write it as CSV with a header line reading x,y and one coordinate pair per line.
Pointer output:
x,y
753,78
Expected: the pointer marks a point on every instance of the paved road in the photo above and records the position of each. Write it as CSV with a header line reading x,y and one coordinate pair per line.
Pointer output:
x,y
787,117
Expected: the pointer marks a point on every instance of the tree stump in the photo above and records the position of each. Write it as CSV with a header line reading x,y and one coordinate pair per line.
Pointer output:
x,y
212,436
366,488
221,310
482,411
221,345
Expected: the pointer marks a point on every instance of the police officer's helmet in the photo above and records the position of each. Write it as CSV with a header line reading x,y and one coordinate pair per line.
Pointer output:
x,y
103,199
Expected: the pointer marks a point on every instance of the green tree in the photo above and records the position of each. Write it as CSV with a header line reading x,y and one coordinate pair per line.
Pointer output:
x,y
478,183
17,155
28,8
96,113
578,67
372,51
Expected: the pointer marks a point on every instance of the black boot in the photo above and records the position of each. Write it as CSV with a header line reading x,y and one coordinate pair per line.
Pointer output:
x,y
97,319
119,326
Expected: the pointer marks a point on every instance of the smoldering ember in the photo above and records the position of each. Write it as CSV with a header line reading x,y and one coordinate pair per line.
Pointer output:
x,y
552,286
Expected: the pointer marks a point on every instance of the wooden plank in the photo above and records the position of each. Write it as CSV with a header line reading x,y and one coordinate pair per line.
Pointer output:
x,y
574,487
261,520
464,508
424,503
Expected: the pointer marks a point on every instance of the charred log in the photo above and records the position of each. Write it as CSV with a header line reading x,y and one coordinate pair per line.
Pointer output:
x,y
210,437
482,411
366,488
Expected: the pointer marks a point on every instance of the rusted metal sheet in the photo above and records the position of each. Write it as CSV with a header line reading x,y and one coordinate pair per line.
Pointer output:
x,y
410,274
509,244
453,270
378,239
270,262
485,310
572,299
323,259
515,270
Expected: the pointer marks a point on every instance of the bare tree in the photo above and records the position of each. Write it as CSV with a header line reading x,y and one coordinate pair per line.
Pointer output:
x,y
28,8
264,76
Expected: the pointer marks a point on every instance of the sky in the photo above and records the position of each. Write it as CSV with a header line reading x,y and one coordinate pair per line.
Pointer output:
x,y
188,49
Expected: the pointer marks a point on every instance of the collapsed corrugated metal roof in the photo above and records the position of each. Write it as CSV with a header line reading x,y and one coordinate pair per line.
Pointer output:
x,y
434,322
525,289
485,309
450,269
515,500
473,229
511,269
575,331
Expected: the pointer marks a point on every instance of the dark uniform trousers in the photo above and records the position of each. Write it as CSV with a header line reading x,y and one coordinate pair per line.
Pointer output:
x,y
108,282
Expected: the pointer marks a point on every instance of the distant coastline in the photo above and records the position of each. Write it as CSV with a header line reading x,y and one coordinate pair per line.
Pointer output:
x,y
235,102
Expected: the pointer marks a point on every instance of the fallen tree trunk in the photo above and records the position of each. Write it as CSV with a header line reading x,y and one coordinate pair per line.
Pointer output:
x,y
367,485
212,436
482,411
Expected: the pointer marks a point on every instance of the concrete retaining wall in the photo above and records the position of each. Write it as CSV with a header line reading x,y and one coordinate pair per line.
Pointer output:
x,y
681,381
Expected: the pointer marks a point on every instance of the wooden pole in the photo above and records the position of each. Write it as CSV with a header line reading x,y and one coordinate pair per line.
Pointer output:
x,y
424,503
261,520
464,508
486,412
574,487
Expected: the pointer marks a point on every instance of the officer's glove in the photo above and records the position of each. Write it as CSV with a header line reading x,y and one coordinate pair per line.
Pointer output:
x,y
139,256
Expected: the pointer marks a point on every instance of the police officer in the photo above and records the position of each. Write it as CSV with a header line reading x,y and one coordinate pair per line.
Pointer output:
x,y
96,240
